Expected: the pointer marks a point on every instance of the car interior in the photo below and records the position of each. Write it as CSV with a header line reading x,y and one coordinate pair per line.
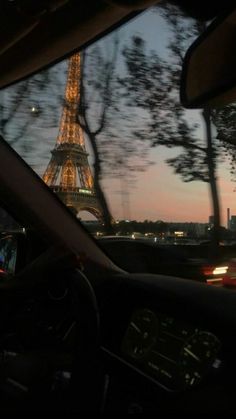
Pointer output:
x,y
81,334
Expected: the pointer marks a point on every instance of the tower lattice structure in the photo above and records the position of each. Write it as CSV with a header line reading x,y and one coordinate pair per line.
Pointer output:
x,y
68,173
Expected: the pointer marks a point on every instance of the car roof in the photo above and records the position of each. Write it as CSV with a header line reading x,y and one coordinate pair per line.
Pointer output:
x,y
35,34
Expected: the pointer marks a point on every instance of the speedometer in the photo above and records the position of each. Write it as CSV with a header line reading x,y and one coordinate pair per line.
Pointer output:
x,y
141,334
197,356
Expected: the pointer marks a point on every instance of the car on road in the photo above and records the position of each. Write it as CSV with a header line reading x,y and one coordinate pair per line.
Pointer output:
x,y
142,255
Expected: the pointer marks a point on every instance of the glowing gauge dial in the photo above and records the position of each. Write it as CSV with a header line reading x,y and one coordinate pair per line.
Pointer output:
x,y
197,356
141,334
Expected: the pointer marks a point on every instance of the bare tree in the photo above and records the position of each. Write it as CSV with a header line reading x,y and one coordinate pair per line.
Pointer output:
x,y
33,102
153,85
103,117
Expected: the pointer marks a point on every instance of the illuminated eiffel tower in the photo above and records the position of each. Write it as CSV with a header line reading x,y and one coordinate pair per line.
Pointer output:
x,y
68,172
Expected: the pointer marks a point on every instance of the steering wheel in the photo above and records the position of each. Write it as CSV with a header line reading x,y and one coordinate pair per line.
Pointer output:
x,y
30,373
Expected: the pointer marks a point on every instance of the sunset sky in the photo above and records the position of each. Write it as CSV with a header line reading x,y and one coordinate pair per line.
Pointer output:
x,y
159,193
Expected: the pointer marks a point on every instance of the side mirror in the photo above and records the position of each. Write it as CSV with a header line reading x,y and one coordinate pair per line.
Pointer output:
x,y
13,251
209,69
8,253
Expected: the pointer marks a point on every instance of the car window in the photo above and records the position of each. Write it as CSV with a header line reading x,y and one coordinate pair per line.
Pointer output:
x,y
105,131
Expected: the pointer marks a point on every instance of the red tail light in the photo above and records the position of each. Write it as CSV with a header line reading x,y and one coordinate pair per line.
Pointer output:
x,y
229,279
215,274
208,270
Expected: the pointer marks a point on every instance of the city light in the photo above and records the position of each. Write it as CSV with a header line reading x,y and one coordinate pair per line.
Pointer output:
x,y
220,270
179,233
86,191
35,110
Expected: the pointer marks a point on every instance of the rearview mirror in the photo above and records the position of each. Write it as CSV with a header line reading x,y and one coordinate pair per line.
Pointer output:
x,y
209,69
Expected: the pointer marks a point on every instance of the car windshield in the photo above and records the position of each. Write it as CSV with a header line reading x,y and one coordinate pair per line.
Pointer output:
x,y
105,131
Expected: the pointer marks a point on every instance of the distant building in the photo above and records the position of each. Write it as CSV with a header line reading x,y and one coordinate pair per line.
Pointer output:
x,y
189,229
211,220
233,223
201,229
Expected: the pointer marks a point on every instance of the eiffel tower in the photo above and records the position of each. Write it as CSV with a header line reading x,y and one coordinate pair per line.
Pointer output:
x,y
68,173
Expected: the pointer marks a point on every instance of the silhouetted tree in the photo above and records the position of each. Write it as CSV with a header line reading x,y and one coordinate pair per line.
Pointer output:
x,y
110,129
224,120
153,85
30,106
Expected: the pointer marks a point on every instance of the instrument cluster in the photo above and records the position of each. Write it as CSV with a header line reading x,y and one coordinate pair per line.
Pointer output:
x,y
175,354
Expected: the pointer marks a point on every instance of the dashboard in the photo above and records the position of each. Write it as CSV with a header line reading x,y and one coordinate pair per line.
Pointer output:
x,y
168,345
165,345
176,354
